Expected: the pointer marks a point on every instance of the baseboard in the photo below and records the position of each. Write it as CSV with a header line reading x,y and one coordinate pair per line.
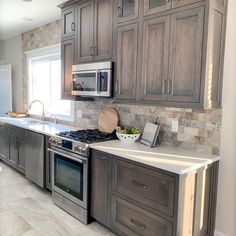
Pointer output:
x,y
219,234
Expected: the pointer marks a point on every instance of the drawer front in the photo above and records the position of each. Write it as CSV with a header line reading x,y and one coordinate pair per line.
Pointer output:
x,y
12,130
148,187
128,219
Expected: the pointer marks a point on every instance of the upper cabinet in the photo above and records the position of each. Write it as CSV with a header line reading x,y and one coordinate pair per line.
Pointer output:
x,y
127,10
165,52
68,22
94,32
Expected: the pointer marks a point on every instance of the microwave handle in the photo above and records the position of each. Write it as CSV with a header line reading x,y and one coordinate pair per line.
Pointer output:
x,y
98,81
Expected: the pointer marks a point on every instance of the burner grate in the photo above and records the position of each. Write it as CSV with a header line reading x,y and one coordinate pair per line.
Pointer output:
x,y
88,135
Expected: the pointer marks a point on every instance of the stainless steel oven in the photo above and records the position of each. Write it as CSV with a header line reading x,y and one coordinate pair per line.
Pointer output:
x,y
70,182
93,79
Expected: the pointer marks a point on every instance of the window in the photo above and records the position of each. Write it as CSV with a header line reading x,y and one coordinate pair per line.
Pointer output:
x,y
45,83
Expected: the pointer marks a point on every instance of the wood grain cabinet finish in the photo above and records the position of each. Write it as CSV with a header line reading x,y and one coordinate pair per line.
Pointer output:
x,y
127,53
94,39
130,220
99,195
85,44
150,188
127,10
16,152
181,3
68,22
156,6
67,55
185,61
3,142
155,58
103,29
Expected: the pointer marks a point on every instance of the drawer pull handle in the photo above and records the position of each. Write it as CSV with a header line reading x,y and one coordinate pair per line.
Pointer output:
x,y
137,224
139,184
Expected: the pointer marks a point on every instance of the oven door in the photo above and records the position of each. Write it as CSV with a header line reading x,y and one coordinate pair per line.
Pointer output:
x,y
70,176
85,83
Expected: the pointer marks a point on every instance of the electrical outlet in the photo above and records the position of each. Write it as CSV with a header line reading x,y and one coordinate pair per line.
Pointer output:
x,y
175,126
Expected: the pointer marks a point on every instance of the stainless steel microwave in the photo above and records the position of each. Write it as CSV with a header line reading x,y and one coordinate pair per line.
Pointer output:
x,y
94,80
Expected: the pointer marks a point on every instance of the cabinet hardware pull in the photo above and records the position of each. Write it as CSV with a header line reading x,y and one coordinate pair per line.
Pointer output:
x,y
139,184
94,50
137,223
101,157
73,26
91,50
164,83
119,11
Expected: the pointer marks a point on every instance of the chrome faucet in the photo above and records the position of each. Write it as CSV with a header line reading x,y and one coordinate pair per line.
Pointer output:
x,y
43,111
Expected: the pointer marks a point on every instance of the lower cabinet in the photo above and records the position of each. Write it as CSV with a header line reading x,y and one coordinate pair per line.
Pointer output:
x,y
99,194
128,219
133,199
16,148
3,142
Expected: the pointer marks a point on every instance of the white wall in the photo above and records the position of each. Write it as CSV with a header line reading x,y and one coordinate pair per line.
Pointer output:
x,y
1,51
13,55
226,207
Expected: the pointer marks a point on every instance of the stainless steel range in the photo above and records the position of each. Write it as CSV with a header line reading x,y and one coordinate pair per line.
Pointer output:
x,y
71,170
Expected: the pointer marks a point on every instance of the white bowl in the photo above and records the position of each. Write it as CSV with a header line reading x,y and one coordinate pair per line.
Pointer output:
x,y
128,138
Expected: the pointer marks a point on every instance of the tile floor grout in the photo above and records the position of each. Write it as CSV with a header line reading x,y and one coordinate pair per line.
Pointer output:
x,y
27,210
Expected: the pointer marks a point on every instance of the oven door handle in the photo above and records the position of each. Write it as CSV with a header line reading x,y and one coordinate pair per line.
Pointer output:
x,y
67,156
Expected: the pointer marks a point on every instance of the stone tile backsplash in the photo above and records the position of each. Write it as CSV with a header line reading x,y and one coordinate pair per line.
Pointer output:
x,y
198,129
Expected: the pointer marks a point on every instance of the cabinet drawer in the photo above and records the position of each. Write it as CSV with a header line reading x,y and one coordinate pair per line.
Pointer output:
x,y
12,130
131,220
148,187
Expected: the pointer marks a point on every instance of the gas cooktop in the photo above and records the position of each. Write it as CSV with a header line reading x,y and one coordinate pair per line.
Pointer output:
x,y
88,135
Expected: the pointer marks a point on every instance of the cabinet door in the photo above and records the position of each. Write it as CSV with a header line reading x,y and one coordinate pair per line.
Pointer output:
x,y
156,6
85,44
3,143
180,3
103,29
67,55
13,150
127,53
186,55
127,10
68,22
99,187
155,58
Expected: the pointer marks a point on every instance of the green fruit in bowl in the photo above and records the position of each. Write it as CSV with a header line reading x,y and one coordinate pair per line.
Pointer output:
x,y
130,131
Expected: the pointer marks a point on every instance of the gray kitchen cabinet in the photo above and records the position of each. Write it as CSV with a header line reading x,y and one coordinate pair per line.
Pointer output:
x,y
127,10
127,53
34,158
181,3
85,45
185,61
155,58
131,198
67,60
68,22
99,193
94,30
3,142
16,148
156,6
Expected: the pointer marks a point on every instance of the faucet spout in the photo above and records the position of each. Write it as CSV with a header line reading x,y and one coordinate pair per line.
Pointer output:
x,y
43,109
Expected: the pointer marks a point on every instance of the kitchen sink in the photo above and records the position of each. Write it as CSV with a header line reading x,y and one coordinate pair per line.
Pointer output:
x,y
34,122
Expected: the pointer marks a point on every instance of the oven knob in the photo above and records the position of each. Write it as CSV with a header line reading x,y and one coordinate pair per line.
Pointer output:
x,y
83,149
58,142
77,149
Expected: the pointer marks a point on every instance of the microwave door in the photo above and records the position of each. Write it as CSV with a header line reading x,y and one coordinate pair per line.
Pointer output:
x,y
104,83
85,83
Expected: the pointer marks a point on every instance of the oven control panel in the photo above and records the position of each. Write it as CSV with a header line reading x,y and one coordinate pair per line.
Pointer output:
x,y
70,145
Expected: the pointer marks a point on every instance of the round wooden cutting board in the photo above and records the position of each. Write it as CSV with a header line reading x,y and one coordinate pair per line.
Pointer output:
x,y
108,120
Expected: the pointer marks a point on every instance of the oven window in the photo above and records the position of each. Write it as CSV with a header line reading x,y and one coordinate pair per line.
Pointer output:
x,y
85,82
68,176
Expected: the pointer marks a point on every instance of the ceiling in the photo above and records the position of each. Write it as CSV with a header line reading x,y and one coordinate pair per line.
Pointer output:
x,y
12,11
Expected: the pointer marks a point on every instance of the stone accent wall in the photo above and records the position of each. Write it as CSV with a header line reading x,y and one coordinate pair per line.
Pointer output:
x,y
37,38
198,129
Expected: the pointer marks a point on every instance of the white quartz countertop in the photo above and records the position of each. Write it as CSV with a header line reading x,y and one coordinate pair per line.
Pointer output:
x,y
172,159
47,128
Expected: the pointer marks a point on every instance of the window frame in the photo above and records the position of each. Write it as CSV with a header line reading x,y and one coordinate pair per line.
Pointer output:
x,y
48,53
